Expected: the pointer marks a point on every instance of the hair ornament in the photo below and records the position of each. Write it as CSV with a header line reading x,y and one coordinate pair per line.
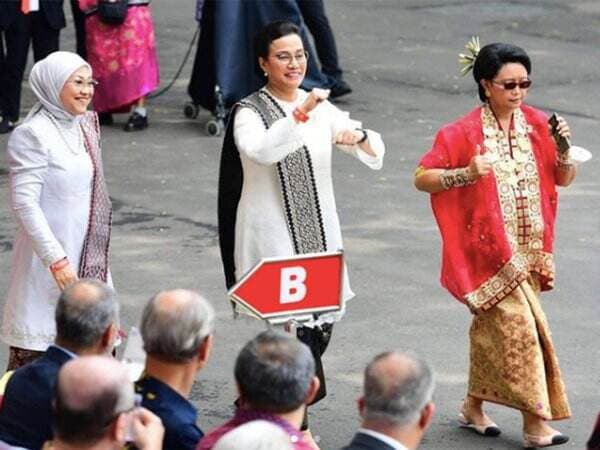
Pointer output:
x,y
467,60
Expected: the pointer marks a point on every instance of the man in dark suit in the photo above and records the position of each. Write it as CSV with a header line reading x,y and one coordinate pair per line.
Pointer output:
x,y
25,21
396,406
86,324
177,329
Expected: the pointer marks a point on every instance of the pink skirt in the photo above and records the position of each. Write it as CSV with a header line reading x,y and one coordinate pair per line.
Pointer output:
x,y
123,59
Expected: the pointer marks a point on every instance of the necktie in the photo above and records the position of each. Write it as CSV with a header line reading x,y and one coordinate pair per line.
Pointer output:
x,y
25,6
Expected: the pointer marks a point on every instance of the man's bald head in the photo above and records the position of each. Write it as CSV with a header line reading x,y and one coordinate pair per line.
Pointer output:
x,y
91,391
397,386
174,325
85,310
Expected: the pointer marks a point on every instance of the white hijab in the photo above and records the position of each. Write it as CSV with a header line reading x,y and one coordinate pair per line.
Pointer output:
x,y
47,78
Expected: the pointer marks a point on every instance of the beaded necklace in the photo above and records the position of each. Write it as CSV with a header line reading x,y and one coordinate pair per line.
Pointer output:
x,y
55,122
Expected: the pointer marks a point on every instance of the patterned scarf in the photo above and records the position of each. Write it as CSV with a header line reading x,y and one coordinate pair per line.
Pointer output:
x,y
94,256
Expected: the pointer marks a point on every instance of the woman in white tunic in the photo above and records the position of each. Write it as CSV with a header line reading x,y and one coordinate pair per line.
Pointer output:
x,y
275,190
59,200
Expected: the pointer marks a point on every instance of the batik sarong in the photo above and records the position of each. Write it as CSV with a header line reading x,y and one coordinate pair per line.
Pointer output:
x,y
513,361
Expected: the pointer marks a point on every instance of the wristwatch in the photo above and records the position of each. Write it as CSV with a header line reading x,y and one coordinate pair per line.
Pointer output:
x,y
364,137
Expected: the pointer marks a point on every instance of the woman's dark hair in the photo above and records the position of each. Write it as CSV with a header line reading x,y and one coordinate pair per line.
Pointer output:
x,y
492,57
270,33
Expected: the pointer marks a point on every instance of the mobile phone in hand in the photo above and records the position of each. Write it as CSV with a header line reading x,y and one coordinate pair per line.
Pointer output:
x,y
561,141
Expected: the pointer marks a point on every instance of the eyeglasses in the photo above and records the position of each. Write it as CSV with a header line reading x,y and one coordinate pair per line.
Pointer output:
x,y
287,58
510,85
80,84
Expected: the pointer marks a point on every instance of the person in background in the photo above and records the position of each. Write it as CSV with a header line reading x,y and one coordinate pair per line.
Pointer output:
x,y
177,329
313,13
23,22
87,317
2,69
60,202
124,61
79,23
396,406
225,56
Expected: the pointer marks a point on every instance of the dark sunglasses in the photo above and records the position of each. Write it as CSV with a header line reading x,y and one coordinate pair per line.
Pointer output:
x,y
510,85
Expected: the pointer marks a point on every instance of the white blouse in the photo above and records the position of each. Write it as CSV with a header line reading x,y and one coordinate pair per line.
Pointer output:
x,y
50,187
261,226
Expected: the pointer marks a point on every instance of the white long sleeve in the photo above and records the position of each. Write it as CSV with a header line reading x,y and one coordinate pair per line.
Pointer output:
x,y
262,146
28,163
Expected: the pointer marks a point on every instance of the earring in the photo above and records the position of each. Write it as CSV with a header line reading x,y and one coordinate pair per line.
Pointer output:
x,y
487,93
266,74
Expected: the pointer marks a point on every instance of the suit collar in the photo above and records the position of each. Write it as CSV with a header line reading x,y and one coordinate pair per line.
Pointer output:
x,y
370,441
59,354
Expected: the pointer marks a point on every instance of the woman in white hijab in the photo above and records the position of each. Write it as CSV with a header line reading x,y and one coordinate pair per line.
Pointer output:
x,y
60,202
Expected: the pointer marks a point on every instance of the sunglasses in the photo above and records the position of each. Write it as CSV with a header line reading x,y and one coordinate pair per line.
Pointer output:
x,y
510,85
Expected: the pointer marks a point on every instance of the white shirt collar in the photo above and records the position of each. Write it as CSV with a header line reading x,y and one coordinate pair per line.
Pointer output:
x,y
396,445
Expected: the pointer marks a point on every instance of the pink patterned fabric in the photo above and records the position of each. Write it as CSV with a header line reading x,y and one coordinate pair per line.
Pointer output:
x,y
123,57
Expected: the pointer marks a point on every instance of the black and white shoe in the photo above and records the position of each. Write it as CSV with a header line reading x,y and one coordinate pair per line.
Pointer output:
x,y
136,122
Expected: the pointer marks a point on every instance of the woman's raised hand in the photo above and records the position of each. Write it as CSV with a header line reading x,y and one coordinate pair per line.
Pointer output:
x,y
315,97
480,164
64,276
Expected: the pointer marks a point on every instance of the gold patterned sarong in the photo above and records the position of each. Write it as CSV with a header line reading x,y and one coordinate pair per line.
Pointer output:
x,y
513,361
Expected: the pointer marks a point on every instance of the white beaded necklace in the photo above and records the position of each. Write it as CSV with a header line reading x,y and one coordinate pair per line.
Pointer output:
x,y
55,122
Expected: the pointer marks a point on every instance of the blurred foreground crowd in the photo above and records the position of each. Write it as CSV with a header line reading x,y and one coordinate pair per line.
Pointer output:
x,y
76,396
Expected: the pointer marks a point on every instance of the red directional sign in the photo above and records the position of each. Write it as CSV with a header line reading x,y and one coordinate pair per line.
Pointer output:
x,y
292,286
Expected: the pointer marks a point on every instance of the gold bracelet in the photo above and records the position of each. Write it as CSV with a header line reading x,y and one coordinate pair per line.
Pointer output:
x,y
455,178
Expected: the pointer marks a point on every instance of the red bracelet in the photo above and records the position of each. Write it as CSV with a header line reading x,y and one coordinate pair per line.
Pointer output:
x,y
300,115
58,265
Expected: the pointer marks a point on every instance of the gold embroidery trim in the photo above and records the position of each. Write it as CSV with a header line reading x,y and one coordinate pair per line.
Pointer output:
x,y
514,272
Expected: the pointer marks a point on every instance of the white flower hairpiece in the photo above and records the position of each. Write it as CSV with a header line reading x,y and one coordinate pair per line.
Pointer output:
x,y
467,60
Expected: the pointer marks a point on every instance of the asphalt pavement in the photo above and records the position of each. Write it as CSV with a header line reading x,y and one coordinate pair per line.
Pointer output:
x,y
401,59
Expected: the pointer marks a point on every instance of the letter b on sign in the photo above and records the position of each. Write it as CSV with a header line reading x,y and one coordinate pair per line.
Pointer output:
x,y
292,288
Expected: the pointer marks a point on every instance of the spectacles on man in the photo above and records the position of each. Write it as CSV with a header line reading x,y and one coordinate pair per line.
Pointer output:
x,y
287,58
80,84
511,84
